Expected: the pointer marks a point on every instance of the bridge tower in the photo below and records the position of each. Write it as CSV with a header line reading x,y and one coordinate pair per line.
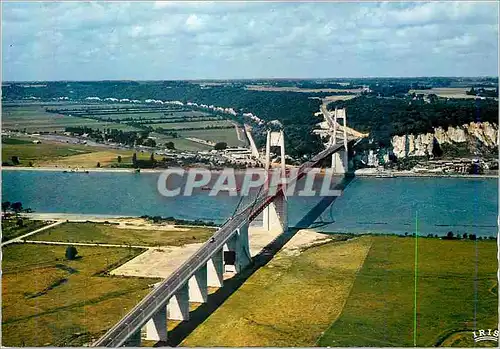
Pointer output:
x,y
275,214
339,159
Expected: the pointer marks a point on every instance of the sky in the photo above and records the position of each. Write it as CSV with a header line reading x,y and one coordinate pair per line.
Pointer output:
x,y
235,40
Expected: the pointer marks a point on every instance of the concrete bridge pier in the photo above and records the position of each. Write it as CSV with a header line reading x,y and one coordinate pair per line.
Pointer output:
x,y
198,291
215,269
275,215
156,327
178,305
340,162
238,247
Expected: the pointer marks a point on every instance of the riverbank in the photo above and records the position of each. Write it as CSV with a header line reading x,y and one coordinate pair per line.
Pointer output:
x,y
392,174
79,170
358,173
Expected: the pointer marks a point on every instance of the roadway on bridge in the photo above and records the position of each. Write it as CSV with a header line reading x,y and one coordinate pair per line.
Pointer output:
x,y
158,298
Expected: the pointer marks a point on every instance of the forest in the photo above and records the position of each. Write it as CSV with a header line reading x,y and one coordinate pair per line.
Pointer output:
x,y
386,117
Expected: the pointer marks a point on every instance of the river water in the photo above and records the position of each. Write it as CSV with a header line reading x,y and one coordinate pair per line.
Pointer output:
x,y
377,205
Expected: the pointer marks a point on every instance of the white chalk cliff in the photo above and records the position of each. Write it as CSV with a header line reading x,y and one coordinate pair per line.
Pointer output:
x,y
484,134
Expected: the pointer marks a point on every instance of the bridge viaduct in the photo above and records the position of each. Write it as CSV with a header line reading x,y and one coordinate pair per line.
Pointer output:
x,y
189,283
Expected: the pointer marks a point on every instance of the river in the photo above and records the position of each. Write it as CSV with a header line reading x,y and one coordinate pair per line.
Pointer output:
x,y
376,205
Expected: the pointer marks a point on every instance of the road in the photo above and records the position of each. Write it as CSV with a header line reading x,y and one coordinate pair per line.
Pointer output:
x,y
158,298
350,131
20,238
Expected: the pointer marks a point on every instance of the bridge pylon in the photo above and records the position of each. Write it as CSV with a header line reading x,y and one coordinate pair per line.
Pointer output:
x,y
275,214
340,162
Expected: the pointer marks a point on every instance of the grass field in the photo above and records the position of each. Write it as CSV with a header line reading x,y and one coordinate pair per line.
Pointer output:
x,y
47,300
106,158
380,308
11,229
154,116
192,124
298,89
227,135
448,92
42,152
181,143
111,234
51,153
35,119
288,302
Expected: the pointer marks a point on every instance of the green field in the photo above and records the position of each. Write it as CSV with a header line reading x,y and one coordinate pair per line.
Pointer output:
x,y
380,308
227,135
182,143
332,296
288,302
111,234
34,118
47,300
42,152
14,227
152,116
192,124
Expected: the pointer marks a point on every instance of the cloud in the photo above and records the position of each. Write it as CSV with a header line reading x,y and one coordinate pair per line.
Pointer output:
x,y
126,40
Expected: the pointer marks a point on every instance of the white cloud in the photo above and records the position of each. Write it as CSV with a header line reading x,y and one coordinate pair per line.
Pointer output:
x,y
115,40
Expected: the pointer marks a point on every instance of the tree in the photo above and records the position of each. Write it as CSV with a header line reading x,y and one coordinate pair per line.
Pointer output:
x,y
152,157
71,252
170,145
472,236
17,207
119,159
149,142
134,159
15,160
5,206
220,146
449,235
464,235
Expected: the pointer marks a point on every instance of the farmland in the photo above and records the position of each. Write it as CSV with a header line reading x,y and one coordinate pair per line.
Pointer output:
x,y
167,121
361,293
456,287
108,233
47,300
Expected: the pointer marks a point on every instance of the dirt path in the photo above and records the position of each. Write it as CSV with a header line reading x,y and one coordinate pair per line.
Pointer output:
x,y
20,238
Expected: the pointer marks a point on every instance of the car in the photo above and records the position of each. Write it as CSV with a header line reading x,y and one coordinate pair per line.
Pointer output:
x,y
212,239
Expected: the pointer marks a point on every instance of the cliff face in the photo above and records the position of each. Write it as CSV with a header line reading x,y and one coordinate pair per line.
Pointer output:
x,y
484,135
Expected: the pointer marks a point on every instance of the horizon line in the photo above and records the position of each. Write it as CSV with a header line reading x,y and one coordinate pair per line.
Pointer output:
x,y
261,78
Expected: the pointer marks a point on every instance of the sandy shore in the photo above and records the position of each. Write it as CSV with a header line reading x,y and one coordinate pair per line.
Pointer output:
x,y
422,175
121,222
80,170
361,174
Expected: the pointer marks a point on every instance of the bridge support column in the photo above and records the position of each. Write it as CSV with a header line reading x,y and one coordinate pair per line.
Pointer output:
x,y
275,215
156,327
339,162
198,286
134,340
178,305
243,257
215,270
238,246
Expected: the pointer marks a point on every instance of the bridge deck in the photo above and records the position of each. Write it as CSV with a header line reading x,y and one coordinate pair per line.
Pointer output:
x,y
158,298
